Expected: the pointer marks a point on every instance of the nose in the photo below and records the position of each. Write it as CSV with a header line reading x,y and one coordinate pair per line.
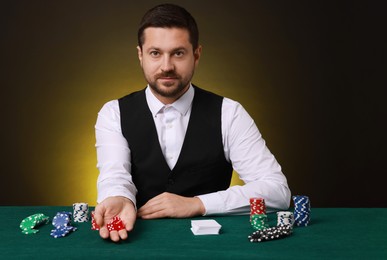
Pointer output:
x,y
167,64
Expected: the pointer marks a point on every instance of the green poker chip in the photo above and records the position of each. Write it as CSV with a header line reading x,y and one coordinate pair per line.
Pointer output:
x,y
259,221
28,224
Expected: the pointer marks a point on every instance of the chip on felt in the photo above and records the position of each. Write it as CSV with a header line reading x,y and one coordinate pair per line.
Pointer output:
x,y
28,224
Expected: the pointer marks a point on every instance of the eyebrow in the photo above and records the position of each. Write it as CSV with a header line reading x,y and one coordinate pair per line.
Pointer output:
x,y
173,50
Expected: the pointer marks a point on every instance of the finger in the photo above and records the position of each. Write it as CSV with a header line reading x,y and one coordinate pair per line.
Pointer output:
x,y
146,210
123,234
153,211
114,236
104,232
129,224
157,199
150,207
154,215
98,215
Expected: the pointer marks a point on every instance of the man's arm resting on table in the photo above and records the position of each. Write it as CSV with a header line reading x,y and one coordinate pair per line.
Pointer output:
x,y
171,205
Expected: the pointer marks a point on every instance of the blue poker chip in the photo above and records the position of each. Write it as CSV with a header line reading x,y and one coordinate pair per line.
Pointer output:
x,y
69,228
302,210
59,232
61,219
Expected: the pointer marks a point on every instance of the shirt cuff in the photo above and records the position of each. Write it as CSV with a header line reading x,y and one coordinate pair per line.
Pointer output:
x,y
123,193
213,203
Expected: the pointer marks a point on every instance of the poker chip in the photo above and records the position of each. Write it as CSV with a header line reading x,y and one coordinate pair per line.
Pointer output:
x,y
28,224
285,218
62,224
62,219
258,217
302,210
81,212
257,206
30,231
271,233
259,221
94,225
59,232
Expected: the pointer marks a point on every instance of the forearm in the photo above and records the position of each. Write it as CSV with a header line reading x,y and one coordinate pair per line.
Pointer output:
x,y
235,200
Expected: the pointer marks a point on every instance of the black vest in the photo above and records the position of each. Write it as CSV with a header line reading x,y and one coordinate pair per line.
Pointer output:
x,y
201,167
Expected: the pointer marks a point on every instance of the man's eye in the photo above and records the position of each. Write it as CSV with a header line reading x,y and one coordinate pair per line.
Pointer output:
x,y
154,53
179,54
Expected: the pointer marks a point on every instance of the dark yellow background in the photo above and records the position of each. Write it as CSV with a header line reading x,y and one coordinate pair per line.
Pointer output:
x,y
311,74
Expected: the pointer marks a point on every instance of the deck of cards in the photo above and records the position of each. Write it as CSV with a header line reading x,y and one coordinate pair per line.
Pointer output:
x,y
205,227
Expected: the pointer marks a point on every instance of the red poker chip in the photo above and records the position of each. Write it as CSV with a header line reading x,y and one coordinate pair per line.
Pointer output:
x,y
94,225
257,206
256,200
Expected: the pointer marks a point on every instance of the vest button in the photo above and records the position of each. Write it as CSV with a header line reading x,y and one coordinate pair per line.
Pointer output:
x,y
171,181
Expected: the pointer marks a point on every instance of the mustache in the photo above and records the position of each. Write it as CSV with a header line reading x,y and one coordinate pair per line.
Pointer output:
x,y
169,74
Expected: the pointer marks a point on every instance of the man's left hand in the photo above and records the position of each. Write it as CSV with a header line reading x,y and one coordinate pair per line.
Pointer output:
x,y
172,206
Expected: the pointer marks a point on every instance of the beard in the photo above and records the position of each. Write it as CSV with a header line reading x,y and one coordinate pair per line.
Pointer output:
x,y
173,89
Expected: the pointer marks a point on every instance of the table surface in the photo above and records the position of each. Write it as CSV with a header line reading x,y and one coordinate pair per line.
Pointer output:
x,y
333,233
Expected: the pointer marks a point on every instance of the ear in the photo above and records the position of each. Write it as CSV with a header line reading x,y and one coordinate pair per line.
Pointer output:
x,y
197,54
139,53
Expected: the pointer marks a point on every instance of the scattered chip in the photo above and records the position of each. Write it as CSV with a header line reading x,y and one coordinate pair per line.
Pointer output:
x,y
62,224
61,219
271,233
28,224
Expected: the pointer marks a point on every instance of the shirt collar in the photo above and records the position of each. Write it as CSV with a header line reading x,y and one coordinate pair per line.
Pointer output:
x,y
182,104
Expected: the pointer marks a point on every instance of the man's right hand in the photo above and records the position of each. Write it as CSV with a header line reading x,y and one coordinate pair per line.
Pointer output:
x,y
108,209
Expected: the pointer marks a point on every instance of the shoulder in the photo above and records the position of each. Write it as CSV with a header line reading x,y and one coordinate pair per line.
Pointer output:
x,y
235,115
132,95
205,93
231,107
110,109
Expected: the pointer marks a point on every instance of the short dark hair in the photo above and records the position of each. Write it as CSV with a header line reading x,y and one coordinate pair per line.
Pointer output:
x,y
169,16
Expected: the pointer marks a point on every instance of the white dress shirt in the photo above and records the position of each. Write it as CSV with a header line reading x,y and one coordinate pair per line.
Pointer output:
x,y
243,146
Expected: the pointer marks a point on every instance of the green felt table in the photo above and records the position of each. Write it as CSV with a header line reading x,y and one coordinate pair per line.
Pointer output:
x,y
345,233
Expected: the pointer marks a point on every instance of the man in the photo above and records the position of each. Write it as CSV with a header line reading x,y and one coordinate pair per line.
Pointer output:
x,y
169,150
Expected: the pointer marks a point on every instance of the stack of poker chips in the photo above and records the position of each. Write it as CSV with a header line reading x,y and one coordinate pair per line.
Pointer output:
x,y
285,218
29,224
272,233
258,217
62,224
301,210
81,212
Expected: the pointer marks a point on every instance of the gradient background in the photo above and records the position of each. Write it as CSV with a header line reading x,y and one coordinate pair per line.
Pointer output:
x,y
310,73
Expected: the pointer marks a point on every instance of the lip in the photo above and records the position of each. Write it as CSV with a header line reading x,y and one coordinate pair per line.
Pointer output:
x,y
167,78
